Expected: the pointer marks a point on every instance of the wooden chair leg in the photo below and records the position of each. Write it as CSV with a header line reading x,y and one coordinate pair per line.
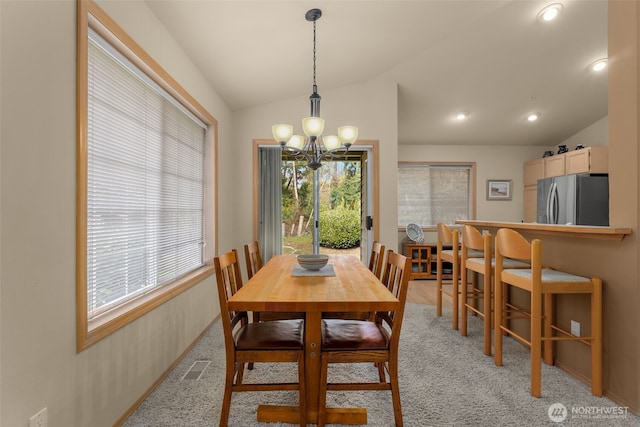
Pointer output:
x,y
302,390
395,392
226,399
439,289
322,399
240,373
464,297
455,303
486,307
548,317
497,320
536,340
596,334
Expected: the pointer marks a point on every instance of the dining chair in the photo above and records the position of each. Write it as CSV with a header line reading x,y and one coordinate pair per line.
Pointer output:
x,y
376,258
476,255
375,266
276,341
253,260
542,284
364,341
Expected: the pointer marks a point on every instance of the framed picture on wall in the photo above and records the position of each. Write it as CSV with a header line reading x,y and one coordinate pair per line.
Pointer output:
x,y
498,189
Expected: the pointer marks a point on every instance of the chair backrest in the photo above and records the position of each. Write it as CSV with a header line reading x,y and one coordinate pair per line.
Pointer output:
x,y
445,234
229,282
253,258
511,244
375,261
397,271
473,239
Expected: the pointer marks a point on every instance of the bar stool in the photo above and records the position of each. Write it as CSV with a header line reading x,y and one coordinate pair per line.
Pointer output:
x,y
478,245
543,284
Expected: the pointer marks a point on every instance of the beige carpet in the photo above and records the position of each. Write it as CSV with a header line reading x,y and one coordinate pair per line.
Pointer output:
x,y
445,381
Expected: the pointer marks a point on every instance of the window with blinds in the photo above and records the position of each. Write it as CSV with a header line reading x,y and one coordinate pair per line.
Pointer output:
x,y
433,193
146,182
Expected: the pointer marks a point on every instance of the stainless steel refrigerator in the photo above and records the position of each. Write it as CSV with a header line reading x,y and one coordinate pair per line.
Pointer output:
x,y
580,199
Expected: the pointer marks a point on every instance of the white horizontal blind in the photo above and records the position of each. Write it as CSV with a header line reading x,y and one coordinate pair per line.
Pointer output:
x,y
145,186
429,194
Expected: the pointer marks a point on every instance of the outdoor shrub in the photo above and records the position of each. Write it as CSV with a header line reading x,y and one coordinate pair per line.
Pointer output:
x,y
339,228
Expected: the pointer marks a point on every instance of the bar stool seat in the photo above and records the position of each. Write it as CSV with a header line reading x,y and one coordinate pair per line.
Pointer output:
x,y
543,284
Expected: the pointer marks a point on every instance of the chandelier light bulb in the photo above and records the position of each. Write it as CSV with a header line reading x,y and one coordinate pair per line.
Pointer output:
x,y
331,142
533,117
296,141
348,134
282,132
313,126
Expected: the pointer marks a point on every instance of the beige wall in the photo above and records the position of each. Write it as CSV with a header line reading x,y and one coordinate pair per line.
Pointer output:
x,y
39,363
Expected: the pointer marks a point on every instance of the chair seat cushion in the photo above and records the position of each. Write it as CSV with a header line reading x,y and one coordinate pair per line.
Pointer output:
x,y
274,335
549,275
340,334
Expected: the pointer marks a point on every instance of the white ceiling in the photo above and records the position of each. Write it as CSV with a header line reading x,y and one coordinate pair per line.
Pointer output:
x,y
493,59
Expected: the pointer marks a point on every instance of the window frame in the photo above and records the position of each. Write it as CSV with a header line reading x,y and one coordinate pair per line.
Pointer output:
x,y
473,187
90,15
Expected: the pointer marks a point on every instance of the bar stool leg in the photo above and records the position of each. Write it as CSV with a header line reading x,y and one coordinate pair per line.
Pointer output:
x,y
536,339
596,342
549,314
497,320
486,307
464,297
455,296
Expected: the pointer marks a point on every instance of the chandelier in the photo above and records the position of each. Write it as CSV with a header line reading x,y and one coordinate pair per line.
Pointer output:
x,y
315,147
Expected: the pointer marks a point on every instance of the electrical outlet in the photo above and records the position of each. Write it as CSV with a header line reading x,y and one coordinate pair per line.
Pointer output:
x,y
39,419
575,328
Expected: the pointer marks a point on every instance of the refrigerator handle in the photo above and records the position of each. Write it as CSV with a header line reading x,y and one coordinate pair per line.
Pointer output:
x,y
554,203
548,204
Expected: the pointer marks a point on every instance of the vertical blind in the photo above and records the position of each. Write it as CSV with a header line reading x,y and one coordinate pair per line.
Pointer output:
x,y
145,183
429,194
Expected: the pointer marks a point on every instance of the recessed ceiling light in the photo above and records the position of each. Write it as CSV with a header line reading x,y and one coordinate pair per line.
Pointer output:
x,y
462,115
533,117
550,12
598,65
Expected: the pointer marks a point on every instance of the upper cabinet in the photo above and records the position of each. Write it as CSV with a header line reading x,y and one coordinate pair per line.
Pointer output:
x,y
533,171
588,160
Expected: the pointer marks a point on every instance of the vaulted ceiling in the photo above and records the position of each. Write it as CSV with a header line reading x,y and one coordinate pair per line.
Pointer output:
x,y
492,59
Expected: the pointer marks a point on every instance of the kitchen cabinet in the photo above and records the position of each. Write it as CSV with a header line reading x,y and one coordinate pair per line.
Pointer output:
x,y
554,165
533,171
530,203
424,261
587,160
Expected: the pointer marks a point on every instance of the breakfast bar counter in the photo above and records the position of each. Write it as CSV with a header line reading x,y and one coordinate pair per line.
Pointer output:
x,y
579,231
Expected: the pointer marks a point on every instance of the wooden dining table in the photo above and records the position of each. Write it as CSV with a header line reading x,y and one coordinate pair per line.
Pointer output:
x,y
352,288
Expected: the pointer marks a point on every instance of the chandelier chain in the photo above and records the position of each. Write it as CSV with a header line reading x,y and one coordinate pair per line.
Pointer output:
x,y
314,53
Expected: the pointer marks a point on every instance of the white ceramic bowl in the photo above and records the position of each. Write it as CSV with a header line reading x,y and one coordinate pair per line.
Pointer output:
x,y
313,262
